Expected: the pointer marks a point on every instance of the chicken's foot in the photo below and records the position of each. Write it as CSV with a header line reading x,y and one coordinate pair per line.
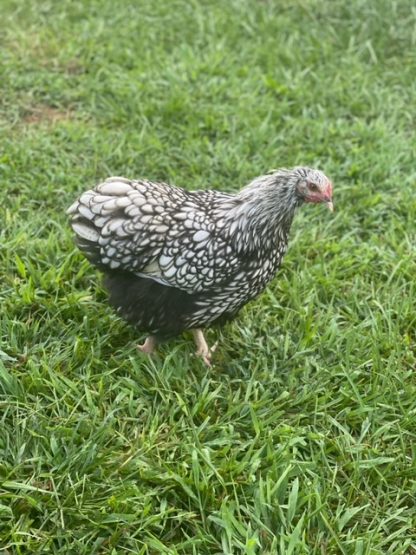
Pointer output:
x,y
202,349
149,345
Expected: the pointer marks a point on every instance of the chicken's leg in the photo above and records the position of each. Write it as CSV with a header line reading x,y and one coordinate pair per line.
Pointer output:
x,y
149,345
202,348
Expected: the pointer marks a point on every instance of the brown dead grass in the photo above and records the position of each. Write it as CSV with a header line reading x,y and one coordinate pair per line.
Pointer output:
x,y
43,114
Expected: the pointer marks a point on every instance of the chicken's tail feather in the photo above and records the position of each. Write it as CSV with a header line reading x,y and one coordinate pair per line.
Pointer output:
x,y
96,214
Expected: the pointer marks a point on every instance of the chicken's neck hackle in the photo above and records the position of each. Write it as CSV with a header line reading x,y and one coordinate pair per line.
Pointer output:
x,y
261,214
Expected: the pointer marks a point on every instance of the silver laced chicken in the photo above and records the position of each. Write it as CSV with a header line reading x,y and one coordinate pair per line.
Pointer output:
x,y
177,260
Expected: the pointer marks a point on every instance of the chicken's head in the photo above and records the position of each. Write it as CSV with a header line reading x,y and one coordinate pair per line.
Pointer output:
x,y
314,186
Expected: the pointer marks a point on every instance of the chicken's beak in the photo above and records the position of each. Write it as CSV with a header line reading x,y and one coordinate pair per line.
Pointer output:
x,y
328,197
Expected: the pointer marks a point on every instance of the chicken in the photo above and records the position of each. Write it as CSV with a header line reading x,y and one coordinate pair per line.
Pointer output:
x,y
177,260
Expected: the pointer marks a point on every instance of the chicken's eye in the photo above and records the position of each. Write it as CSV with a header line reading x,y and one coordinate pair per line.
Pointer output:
x,y
313,186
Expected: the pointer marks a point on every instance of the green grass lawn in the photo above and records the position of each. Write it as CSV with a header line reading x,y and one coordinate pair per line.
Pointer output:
x,y
302,438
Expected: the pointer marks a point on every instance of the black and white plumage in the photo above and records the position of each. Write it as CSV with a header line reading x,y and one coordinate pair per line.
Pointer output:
x,y
176,260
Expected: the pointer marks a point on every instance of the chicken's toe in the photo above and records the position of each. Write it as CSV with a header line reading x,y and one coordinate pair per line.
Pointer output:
x,y
148,346
206,356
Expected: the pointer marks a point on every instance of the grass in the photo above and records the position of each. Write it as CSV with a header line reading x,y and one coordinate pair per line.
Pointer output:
x,y
301,439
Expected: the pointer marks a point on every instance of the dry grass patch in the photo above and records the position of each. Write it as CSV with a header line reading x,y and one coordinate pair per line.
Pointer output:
x,y
49,115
